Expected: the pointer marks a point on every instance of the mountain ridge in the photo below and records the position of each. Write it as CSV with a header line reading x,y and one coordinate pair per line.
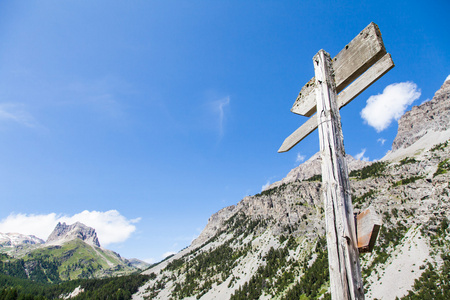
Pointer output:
x,y
13,239
283,228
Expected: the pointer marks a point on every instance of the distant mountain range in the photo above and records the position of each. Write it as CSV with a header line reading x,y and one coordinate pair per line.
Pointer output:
x,y
16,239
272,245
70,252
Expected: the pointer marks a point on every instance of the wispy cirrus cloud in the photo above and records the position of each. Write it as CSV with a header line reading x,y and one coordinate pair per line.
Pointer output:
x,y
17,113
384,108
219,108
101,95
381,141
111,226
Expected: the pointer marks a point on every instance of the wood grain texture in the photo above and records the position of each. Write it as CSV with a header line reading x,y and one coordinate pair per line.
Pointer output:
x,y
352,61
343,256
380,68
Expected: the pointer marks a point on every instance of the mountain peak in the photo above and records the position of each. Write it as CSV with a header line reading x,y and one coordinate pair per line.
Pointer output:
x,y
424,125
64,233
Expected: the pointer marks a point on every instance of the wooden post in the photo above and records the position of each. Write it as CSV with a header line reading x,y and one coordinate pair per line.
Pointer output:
x,y
345,270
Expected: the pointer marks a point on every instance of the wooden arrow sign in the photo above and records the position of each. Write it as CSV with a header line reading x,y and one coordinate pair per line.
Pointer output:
x,y
362,62
361,53
358,86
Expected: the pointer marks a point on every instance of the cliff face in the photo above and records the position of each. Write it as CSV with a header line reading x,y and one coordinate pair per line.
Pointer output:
x,y
431,116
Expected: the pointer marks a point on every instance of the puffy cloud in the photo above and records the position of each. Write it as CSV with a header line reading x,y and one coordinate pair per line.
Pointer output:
x,y
265,186
38,225
383,108
448,78
360,155
111,226
300,158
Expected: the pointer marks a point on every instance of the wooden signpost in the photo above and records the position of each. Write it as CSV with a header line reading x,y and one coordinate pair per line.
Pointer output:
x,y
356,67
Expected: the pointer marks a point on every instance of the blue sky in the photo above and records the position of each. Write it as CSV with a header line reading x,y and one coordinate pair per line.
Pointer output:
x,y
143,118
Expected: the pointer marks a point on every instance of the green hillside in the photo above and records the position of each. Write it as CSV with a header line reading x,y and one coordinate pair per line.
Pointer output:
x,y
72,260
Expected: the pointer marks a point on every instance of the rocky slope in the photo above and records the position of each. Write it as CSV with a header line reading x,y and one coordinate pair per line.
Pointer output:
x,y
312,167
271,245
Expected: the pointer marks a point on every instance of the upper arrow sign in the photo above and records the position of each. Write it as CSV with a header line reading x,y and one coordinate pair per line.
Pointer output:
x,y
380,68
352,61
362,62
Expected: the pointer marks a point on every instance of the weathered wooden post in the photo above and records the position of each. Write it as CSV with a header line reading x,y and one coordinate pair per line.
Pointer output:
x,y
345,271
356,67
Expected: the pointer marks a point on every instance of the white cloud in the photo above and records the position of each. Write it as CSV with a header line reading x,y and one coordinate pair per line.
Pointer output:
x,y
383,108
169,253
381,141
149,260
300,158
448,78
360,155
111,226
219,107
265,186
38,225
14,112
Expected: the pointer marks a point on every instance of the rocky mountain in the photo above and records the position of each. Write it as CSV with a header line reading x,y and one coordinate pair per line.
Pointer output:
x,y
272,245
16,239
424,125
431,116
70,252
63,233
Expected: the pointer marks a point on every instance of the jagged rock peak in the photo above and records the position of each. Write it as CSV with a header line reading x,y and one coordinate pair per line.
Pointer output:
x,y
16,239
64,233
430,117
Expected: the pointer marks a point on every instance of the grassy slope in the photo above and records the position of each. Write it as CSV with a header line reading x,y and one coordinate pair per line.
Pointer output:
x,y
80,260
